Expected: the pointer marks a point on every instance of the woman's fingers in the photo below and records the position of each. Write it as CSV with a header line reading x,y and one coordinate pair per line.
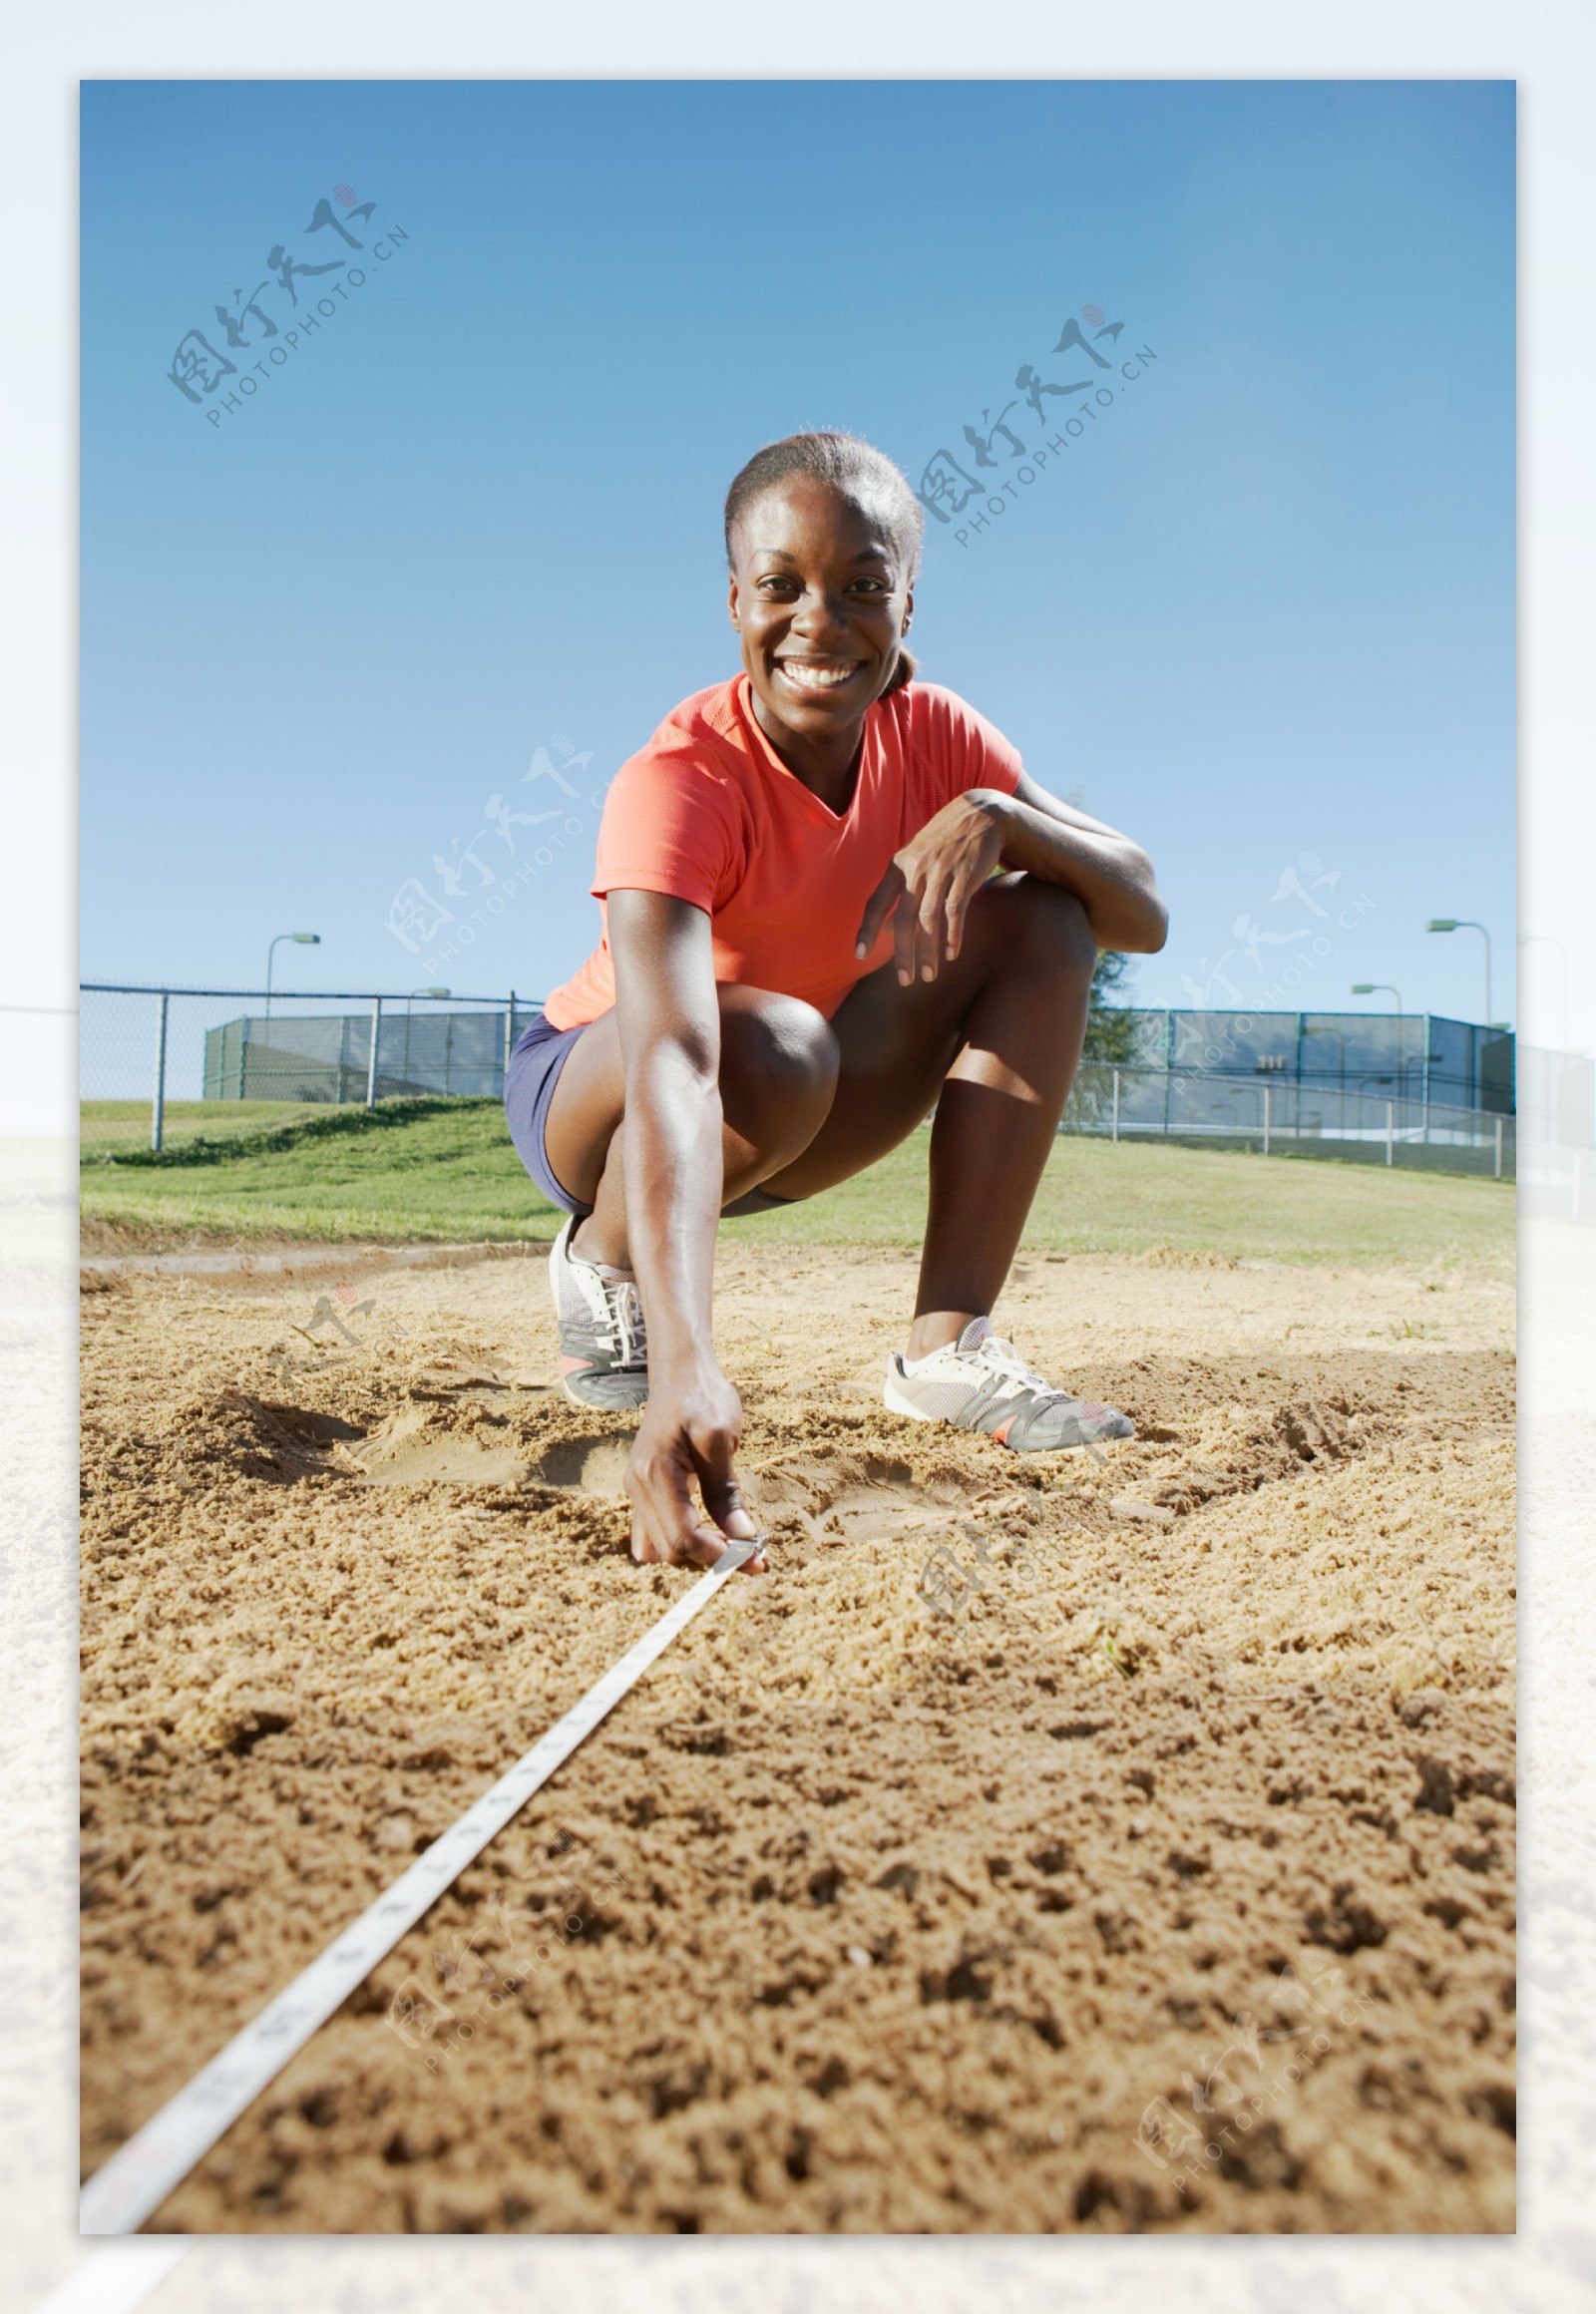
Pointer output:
x,y
878,908
922,929
693,1546
723,1501
915,945
937,873
668,1527
935,920
955,910
928,926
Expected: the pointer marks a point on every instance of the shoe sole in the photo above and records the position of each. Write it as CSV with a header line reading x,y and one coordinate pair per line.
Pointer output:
x,y
605,1405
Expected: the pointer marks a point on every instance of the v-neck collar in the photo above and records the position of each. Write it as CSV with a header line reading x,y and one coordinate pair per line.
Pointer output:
x,y
745,709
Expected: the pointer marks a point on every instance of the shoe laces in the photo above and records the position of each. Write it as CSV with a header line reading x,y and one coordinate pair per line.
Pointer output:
x,y
1000,1354
623,1304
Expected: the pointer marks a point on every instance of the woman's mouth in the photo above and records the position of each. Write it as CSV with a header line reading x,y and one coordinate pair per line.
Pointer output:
x,y
815,676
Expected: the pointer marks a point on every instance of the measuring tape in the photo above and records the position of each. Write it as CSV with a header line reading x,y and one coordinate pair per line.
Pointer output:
x,y
137,2178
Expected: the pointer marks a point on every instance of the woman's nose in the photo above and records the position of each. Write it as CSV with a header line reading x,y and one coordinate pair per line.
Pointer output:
x,y
817,610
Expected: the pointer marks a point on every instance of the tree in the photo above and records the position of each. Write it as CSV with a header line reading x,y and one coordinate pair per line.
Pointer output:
x,y
1112,1026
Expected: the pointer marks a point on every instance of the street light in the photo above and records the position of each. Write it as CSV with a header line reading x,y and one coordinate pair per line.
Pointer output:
x,y
307,939
1547,940
1385,989
1467,924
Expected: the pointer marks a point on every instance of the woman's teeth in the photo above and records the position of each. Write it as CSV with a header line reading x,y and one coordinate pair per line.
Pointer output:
x,y
810,675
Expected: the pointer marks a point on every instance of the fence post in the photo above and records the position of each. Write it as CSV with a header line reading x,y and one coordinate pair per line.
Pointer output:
x,y
509,1032
1116,1106
371,1062
158,1113
1266,1120
1390,1133
1497,1172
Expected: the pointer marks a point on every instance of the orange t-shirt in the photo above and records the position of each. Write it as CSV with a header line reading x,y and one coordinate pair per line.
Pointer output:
x,y
708,813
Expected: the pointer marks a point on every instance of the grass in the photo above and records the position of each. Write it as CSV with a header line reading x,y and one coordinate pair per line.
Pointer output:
x,y
443,1171
124,1126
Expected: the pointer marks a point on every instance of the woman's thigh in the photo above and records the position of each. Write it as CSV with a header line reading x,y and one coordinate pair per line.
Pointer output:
x,y
776,1058
588,1103
896,1045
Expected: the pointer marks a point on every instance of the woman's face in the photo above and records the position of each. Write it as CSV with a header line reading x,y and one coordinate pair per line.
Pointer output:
x,y
820,598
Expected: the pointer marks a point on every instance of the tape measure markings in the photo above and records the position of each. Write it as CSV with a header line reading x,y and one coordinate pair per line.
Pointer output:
x,y
139,2176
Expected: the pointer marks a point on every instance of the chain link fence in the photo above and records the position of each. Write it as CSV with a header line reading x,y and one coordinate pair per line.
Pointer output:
x,y
1280,1118
157,1063
162,1065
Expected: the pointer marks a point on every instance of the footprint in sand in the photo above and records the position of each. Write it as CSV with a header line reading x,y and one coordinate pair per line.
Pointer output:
x,y
410,1451
584,1466
843,1497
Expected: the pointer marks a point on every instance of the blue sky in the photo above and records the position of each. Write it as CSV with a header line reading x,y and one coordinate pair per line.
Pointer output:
x,y
1259,613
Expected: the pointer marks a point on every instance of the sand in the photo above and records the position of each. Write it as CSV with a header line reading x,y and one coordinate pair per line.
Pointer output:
x,y
1044,1845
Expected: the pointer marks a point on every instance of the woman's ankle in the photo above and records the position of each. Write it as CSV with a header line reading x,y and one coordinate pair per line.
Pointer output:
x,y
589,1243
934,1330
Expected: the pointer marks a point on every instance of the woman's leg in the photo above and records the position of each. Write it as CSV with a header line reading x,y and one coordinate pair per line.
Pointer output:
x,y
993,1041
778,1072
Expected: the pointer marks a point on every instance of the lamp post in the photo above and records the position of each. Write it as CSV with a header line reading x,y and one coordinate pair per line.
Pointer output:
x,y
1385,989
1467,924
307,939
1546,939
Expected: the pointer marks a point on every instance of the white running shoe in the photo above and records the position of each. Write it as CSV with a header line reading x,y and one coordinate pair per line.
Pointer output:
x,y
603,1347
980,1382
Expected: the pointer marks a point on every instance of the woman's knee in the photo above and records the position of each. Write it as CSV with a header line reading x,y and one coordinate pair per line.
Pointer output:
x,y
778,1062
1041,924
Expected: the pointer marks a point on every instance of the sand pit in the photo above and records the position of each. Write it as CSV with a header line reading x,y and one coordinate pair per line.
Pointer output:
x,y
1042,1847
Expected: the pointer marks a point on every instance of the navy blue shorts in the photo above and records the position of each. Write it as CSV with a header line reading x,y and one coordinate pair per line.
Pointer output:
x,y
537,1058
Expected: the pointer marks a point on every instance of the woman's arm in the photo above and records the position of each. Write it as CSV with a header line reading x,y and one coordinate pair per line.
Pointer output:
x,y
938,872
1108,873
670,1020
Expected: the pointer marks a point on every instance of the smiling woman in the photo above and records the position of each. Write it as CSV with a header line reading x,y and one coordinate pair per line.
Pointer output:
x,y
833,897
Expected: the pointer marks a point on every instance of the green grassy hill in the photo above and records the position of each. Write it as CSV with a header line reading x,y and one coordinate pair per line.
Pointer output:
x,y
444,1171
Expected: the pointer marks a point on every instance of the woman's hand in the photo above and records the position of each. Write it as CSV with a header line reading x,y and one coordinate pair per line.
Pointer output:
x,y
689,1436
931,882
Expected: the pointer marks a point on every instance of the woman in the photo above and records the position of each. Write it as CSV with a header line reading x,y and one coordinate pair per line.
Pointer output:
x,y
833,898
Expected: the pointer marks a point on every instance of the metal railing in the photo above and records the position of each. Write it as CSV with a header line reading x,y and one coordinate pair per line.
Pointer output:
x,y
1210,1109
159,1046
163,1046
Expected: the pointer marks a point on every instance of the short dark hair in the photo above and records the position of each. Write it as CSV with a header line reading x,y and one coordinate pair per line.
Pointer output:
x,y
855,468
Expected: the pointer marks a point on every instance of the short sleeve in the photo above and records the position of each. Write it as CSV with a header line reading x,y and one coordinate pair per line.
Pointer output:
x,y
991,760
963,749
669,824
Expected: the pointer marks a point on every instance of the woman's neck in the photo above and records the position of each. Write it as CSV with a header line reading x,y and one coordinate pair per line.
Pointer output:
x,y
828,767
